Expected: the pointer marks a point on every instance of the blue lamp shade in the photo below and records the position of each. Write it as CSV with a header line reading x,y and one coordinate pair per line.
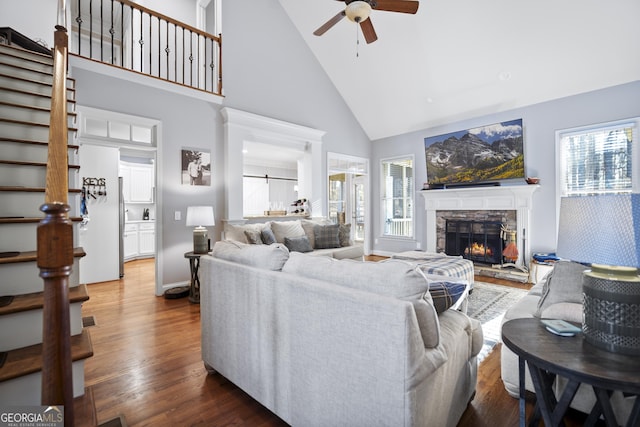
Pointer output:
x,y
603,229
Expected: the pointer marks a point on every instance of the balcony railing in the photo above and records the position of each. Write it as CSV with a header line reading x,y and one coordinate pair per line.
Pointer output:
x,y
130,36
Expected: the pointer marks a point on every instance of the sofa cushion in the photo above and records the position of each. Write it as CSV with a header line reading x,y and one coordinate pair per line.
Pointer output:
x,y
327,236
282,229
393,278
267,236
254,237
446,294
563,284
298,244
270,257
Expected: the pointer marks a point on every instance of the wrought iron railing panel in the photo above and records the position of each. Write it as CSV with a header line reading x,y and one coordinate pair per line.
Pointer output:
x,y
129,36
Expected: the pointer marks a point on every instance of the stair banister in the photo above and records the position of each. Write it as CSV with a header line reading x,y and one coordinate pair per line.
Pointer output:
x,y
55,241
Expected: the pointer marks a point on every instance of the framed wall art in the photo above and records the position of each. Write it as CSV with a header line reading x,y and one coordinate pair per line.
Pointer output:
x,y
196,167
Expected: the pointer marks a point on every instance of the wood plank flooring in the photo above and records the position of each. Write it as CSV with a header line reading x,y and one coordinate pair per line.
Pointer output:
x,y
147,367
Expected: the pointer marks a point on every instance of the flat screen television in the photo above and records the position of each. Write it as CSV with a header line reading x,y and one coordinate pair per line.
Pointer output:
x,y
483,155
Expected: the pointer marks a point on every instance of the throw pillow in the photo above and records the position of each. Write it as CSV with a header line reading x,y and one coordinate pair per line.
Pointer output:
x,y
344,234
267,236
254,237
563,284
237,232
327,236
446,294
298,244
282,229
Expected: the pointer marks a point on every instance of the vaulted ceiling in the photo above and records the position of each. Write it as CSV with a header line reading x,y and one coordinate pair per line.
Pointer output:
x,y
459,59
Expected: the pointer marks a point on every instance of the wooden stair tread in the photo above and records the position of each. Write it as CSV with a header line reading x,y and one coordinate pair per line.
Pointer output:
x,y
31,220
32,142
84,409
35,300
28,360
41,164
22,122
32,70
34,108
26,92
71,89
32,189
32,256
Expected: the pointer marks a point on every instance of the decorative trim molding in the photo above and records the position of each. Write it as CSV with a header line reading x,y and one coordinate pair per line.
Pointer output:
x,y
512,197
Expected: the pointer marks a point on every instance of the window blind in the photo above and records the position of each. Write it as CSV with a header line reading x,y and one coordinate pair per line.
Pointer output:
x,y
598,161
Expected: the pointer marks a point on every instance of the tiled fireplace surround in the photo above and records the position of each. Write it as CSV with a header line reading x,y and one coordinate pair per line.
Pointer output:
x,y
510,205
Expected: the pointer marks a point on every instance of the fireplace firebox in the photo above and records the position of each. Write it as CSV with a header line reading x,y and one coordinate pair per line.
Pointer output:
x,y
478,241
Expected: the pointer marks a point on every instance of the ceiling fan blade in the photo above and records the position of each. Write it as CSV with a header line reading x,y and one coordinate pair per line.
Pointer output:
x,y
402,6
368,31
330,23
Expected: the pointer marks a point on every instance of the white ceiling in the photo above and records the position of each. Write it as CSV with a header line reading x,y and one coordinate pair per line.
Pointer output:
x,y
459,59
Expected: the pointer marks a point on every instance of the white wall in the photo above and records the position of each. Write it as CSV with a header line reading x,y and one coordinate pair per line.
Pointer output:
x,y
540,123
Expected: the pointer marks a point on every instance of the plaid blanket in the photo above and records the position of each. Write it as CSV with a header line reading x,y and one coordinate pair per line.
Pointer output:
x,y
441,264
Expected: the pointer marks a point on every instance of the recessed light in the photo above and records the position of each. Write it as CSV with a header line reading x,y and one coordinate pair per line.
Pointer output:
x,y
504,75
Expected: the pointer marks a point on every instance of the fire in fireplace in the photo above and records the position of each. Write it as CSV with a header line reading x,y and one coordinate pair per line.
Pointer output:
x,y
478,241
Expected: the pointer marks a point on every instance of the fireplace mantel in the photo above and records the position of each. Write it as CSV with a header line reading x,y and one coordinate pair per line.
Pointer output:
x,y
511,197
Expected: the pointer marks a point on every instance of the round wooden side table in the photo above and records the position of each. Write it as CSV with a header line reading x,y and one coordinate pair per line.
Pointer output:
x,y
549,355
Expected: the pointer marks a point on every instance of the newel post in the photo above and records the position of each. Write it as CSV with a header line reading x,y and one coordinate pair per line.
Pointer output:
x,y
55,260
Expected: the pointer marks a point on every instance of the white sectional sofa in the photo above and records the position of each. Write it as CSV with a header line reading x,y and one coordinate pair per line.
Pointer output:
x,y
327,342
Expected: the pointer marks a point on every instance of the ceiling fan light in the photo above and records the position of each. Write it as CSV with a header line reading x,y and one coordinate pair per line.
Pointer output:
x,y
358,11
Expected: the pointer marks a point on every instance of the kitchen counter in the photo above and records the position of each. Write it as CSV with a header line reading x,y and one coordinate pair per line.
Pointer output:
x,y
140,221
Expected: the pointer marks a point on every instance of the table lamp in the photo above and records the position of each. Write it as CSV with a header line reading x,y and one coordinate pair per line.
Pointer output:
x,y
604,231
200,217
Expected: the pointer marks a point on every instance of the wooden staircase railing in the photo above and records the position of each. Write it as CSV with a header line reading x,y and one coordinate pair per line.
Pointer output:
x,y
55,241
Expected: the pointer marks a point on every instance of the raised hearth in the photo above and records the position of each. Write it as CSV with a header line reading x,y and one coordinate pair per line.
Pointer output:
x,y
516,197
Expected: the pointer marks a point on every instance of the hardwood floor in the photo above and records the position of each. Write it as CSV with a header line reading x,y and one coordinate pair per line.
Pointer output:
x,y
147,366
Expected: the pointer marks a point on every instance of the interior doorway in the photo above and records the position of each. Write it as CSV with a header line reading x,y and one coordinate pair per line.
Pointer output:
x,y
348,194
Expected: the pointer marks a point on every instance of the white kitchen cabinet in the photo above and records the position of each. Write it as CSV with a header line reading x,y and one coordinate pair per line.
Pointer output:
x,y
139,240
138,182
146,239
130,241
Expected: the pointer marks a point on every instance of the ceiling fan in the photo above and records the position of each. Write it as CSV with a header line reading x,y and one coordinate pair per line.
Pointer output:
x,y
358,11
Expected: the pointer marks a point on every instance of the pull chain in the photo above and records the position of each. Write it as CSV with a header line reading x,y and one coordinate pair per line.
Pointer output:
x,y
357,42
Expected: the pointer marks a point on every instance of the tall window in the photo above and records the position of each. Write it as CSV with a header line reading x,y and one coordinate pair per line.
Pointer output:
x,y
397,196
599,159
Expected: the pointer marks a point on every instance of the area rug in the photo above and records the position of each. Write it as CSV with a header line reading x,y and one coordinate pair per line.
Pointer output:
x,y
488,303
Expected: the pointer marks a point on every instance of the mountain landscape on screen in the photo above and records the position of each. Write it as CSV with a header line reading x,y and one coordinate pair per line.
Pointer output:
x,y
484,154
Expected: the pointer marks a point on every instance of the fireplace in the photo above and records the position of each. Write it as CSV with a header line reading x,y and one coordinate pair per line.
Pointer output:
x,y
517,198
478,241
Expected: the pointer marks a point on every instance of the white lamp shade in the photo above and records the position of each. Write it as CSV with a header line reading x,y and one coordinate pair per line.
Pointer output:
x,y
603,229
200,216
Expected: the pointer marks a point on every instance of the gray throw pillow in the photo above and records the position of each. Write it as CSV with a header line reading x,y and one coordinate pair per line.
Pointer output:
x,y
326,236
344,234
563,284
298,244
253,237
267,236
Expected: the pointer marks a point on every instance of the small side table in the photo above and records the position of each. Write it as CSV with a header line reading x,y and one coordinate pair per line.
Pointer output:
x,y
194,266
549,355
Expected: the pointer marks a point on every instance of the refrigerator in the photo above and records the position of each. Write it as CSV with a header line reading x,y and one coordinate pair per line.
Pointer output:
x,y
121,221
